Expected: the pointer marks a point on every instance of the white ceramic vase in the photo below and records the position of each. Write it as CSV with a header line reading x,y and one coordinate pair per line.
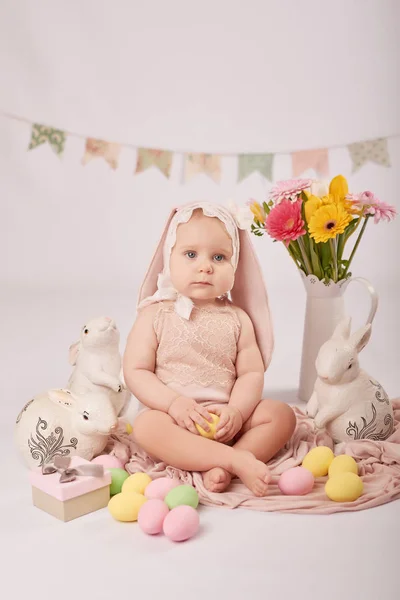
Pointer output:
x,y
324,309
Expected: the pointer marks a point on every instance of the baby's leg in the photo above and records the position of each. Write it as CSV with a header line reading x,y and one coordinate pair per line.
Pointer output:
x,y
158,434
268,429
265,432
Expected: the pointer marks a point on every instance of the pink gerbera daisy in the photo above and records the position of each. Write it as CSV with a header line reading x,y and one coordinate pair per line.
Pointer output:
x,y
284,222
289,189
369,204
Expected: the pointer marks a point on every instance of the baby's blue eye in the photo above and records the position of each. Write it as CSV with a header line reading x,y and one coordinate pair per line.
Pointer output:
x,y
219,257
191,254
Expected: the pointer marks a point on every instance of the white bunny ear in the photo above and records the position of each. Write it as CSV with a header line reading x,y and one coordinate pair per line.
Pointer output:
x,y
342,331
73,353
63,397
360,338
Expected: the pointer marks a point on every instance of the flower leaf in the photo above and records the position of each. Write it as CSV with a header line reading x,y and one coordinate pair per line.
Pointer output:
x,y
325,254
317,270
303,196
266,208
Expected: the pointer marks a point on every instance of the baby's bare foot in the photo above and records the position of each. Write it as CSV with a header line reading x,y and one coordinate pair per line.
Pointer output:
x,y
252,472
217,479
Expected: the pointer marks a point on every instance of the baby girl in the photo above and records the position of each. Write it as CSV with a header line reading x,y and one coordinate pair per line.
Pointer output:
x,y
194,351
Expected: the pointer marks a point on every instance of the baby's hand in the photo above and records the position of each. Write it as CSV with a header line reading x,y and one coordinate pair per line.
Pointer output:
x,y
230,422
186,412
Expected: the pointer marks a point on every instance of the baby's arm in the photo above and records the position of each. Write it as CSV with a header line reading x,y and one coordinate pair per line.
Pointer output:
x,y
247,391
139,363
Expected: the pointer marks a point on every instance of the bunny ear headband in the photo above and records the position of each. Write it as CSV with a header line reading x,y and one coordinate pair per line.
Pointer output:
x,y
248,292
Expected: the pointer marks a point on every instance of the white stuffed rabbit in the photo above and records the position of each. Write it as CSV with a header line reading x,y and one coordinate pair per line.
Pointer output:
x,y
59,422
349,403
97,362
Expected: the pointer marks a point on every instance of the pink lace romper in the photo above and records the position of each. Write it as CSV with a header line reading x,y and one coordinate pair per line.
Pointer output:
x,y
197,357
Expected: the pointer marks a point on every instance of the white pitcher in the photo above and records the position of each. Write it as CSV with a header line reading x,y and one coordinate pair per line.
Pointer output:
x,y
324,309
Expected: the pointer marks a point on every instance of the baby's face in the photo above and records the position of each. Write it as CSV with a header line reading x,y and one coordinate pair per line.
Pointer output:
x,y
200,263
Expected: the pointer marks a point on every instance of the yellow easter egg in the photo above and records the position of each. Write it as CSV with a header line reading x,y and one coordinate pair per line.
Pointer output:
x,y
318,460
125,507
343,464
213,426
344,487
137,482
128,428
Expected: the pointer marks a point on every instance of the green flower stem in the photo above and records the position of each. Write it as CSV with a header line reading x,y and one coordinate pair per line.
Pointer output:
x,y
332,245
297,254
356,245
340,246
347,235
293,255
305,257
315,261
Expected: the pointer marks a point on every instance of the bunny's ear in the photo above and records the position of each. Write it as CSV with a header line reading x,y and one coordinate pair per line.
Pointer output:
x,y
63,397
360,338
342,331
73,353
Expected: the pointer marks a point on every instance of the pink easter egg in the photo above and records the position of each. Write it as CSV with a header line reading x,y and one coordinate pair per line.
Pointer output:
x,y
108,461
181,523
296,481
151,516
159,488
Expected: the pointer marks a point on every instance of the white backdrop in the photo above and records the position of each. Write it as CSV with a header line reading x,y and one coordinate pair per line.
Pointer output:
x,y
215,76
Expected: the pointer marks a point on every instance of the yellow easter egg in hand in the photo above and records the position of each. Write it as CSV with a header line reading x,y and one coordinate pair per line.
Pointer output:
x,y
342,464
344,487
137,482
125,507
318,460
213,426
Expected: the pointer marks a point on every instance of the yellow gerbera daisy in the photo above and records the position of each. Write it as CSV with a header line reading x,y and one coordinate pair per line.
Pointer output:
x,y
328,221
313,203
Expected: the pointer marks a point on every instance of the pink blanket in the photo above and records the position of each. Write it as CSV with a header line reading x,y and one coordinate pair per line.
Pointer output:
x,y
378,462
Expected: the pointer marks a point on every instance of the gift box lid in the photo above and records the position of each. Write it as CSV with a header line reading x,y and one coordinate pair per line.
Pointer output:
x,y
50,483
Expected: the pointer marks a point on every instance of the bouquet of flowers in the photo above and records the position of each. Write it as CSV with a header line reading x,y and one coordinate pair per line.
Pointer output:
x,y
315,223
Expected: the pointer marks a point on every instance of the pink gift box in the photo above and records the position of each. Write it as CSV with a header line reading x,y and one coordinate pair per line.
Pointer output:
x,y
72,499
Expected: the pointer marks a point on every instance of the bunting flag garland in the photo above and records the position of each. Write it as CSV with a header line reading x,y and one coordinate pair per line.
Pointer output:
x,y
101,149
42,134
197,163
373,150
210,164
146,158
248,163
311,159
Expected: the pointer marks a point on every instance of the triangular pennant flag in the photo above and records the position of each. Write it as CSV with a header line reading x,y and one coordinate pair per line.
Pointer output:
x,y
210,164
372,150
146,158
248,163
311,159
101,149
42,134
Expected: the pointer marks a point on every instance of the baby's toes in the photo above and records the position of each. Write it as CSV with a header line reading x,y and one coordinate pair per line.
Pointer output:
x,y
217,476
260,488
218,487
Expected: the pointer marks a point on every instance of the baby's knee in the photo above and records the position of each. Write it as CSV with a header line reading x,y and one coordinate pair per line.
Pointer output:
x,y
147,424
287,418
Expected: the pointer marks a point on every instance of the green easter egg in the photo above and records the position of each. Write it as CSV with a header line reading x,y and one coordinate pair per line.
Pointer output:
x,y
118,477
182,495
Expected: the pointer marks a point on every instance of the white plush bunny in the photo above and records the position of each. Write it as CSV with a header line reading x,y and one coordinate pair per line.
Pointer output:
x,y
97,362
58,422
349,403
